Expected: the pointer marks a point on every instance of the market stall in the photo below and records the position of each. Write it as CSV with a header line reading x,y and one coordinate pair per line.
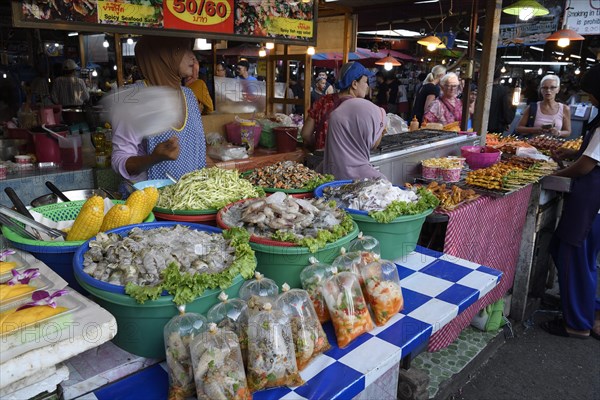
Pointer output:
x,y
437,289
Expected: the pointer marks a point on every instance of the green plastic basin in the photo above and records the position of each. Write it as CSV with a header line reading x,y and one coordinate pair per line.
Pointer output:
x,y
140,326
396,238
284,264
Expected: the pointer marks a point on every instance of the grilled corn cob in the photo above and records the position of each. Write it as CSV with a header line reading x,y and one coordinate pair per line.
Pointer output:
x,y
151,199
88,221
137,203
117,216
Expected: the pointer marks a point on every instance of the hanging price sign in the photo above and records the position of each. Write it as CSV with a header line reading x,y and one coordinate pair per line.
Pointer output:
x,y
199,15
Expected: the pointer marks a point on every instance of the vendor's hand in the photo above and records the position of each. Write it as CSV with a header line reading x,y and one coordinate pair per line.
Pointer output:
x,y
562,153
167,150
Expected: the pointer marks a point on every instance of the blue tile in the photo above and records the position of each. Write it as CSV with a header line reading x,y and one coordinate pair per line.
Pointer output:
x,y
325,385
490,271
404,272
273,393
413,300
428,252
407,333
149,384
446,270
460,295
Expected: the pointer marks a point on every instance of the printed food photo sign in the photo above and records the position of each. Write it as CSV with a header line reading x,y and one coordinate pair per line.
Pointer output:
x,y
289,20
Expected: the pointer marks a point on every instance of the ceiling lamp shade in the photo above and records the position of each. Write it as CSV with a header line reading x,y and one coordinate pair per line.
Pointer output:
x,y
563,37
526,9
388,63
432,43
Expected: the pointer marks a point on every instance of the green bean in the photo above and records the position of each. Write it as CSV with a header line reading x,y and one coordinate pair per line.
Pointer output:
x,y
209,188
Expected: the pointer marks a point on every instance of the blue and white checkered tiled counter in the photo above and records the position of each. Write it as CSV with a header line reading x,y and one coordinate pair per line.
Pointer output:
x,y
436,288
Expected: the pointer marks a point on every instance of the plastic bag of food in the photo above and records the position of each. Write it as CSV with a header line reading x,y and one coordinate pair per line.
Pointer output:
x,y
365,243
271,357
309,338
312,277
347,307
256,293
226,313
178,334
218,368
353,261
382,290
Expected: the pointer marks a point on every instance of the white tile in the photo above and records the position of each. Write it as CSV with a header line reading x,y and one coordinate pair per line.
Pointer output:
x,y
426,284
317,365
373,358
415,261
479,280
292,396
460,261
392,321
435,312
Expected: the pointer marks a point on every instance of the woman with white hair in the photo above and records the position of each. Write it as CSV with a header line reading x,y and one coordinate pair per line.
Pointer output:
x,y
428,92
546,117
447,108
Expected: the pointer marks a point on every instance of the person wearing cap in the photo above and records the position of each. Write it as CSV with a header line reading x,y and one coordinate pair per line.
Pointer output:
x,y
353,81
328,86
69,90
576,242
355,128
242,70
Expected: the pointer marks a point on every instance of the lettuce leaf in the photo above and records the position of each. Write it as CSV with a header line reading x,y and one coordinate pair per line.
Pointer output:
x,y
317,181
323,236
186,287
399,208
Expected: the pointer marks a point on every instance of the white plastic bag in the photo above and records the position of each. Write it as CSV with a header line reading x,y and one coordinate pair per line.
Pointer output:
x,y
395,125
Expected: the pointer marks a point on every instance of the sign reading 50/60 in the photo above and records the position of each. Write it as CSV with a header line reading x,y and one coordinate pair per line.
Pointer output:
x,y
200,12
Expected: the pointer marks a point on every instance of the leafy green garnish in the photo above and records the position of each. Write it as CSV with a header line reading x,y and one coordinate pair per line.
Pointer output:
x,y
317,181
398,208
186,287
323,236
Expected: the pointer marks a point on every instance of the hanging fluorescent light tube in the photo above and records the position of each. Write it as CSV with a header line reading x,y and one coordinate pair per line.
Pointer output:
x,y
536,48
576,56
461,46
73,34
510,56
426,1
461,41
560,53
537,63
590,60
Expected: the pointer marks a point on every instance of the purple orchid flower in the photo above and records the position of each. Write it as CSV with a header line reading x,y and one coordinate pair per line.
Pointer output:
x,y
23,277
43,298
6,253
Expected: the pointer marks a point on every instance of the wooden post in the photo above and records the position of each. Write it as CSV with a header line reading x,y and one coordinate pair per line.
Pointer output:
x,y
346,41
307,83
82,54
518,304
488,63
464,122
119,60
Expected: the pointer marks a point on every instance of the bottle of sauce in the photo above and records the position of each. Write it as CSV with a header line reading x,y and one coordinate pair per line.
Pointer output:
x,y
414,124
99,143
247,134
